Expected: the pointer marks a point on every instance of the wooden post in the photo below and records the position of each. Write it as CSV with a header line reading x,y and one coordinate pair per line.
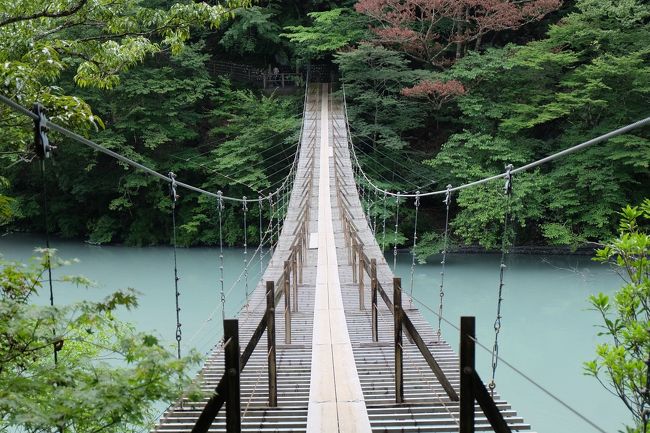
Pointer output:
x,y
467,363
361,277
287,303
270,339
373,287
282,78
294,265
231,353
354,261
346,234
397,314
301,258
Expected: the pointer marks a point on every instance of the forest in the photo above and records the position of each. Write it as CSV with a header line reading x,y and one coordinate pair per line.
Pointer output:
x,y
439,92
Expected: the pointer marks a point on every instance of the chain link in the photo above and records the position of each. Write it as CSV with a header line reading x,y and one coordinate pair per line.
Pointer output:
x,y
507,189
447,202
383,235
395,234
174,197
245,209
415,243
261,206
222,294
374,216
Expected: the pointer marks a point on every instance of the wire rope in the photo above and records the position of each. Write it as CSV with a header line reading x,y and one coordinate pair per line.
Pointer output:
x,y
502,267
80,139
220,216
552,157
174,198
245,218
520,372
48,257
383,234
443,263
395,234
415,243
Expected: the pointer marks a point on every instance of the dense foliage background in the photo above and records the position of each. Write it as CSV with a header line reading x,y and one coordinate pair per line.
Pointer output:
x,y
439,92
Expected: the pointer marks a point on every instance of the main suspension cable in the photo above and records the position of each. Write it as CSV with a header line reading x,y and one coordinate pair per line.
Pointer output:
x,y
552,157
80,139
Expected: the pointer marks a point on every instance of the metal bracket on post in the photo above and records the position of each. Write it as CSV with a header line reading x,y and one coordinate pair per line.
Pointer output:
x,y
373,288
270,339
399,356
231,354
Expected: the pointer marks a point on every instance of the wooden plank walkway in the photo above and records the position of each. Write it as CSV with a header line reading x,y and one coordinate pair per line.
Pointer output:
x,y
355,392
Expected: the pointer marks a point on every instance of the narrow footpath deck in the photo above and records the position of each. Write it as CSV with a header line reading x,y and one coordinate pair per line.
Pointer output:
x,y
331,376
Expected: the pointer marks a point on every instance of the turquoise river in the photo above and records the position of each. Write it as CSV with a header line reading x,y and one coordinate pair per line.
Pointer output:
x,y
547,332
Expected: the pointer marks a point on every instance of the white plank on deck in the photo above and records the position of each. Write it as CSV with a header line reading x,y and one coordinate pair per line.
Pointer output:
x,y
336,402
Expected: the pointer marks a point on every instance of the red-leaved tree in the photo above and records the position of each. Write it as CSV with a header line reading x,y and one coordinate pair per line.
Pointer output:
x,y
438,92
432,31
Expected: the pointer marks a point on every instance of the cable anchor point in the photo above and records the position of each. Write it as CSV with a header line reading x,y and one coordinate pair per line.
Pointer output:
x,y
447,200
173,186
42,145
507,188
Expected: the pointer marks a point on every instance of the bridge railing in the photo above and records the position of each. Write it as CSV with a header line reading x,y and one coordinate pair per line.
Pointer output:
x,y
290,278
362,265
471,387
228,390
260,77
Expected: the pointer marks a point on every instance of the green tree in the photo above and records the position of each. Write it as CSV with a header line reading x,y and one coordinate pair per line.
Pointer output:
x,y
587,77
107,377
255,32
46,45
623,360
330,32
374,77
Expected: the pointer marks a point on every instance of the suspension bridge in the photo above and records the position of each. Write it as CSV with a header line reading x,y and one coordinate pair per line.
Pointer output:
x,y
329,339
333,302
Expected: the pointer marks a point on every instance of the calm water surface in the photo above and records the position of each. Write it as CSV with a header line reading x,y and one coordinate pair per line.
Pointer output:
x,y
547,328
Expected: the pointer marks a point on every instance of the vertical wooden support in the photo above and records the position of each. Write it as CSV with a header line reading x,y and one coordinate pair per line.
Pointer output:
x,y
467,363
399,373
348,242
373,287
294,265
287,303
270,339
233,403
362,267
301,258
354,261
